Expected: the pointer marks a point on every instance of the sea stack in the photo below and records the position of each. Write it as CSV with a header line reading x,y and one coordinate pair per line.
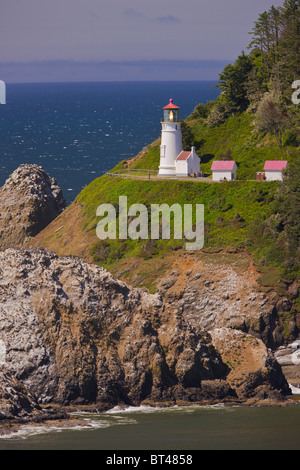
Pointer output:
x,y
29,200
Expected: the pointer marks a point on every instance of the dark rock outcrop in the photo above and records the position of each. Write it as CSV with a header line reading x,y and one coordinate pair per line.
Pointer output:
x,y
18,404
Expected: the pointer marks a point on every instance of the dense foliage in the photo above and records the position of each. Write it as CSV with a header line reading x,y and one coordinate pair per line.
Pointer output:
x,y
261,80
273,62
259,85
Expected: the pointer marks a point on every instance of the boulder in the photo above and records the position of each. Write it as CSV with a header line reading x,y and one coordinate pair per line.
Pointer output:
x,y
29,201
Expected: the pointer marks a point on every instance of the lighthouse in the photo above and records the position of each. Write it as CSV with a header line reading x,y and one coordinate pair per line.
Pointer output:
x,y
171,140
173,160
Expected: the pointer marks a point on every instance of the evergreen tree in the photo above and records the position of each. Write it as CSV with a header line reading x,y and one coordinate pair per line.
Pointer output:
x,y
275,25
271,66
232,83
263,39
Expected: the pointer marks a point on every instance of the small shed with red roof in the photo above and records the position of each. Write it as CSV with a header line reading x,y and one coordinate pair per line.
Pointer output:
x,y
187,163
273,169
224,170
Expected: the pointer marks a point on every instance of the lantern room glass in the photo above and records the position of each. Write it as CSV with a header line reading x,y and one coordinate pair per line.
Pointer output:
x,y
171,115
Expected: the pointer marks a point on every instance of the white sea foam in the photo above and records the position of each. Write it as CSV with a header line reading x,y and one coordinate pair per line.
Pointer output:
x,y
87,424
294,390
133,409
162,409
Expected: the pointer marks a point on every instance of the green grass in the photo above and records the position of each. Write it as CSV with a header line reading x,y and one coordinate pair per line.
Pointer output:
x,y
150,160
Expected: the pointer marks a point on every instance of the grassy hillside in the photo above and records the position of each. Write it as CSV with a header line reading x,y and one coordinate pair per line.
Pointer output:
x,y
231,211
230,208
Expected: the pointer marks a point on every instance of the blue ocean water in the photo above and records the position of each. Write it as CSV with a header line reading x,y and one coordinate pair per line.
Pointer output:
x,y
79,131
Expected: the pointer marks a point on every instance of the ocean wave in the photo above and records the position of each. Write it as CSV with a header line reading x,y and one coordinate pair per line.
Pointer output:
x,y
163,409
26,431
81,422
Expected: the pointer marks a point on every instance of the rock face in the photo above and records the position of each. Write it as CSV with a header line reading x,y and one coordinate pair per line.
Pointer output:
x,y
219,295
288,356
72,334
18,403
29,201
252,366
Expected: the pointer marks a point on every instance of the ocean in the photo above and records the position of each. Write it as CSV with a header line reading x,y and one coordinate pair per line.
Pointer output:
x,y
79,131
192,428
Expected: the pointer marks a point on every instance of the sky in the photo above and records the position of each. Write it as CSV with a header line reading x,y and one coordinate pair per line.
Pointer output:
x,y
61,40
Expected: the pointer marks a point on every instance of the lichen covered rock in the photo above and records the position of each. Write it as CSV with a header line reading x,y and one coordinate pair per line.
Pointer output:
x,y
29,201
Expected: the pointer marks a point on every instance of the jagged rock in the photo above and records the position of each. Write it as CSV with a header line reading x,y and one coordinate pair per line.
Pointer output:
x,y
294,290
253,370
73,334
283,305
29,201
288,357
17,402
222,297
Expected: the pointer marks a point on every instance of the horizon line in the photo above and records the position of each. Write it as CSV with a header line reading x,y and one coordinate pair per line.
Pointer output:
x,y
112,62
158,70
109,81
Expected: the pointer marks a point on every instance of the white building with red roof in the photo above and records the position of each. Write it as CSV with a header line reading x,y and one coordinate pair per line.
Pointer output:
x,y
187,163
224,170
173,160
273,169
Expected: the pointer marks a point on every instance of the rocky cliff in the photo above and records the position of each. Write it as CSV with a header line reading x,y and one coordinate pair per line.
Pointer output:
x,y
73,334
29,201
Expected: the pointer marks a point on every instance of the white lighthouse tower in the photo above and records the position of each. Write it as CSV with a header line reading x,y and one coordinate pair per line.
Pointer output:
x,y
171,140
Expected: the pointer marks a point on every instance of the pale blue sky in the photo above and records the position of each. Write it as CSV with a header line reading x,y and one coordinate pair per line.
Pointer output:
x,y
124,31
